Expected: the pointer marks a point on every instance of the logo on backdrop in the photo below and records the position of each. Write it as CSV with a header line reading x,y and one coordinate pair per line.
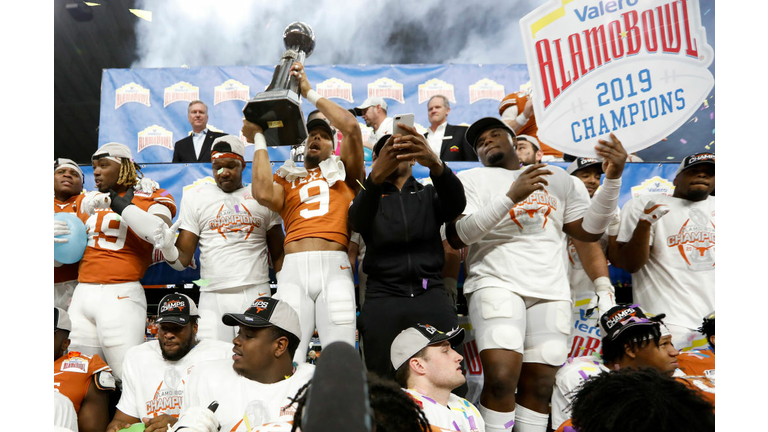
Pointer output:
x,y
155,136
654,185
131,92
436,87
386,88
231,90
638,69
181,91
335,88
485,89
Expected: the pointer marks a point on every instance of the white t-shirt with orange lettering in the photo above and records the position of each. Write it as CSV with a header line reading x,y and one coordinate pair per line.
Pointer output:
x,y
525,251
153,386
232,228
679,278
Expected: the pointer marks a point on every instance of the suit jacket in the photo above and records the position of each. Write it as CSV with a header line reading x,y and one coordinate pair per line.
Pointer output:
x,y
184,149
455,146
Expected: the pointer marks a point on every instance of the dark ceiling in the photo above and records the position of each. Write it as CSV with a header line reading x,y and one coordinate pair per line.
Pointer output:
x,y
81,50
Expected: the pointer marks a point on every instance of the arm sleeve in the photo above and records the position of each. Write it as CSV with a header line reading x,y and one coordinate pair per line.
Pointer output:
x,y
450,194
143,223
474,227
365,205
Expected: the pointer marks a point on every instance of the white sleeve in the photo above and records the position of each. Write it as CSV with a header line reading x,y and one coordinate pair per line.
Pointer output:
x,y
510,113
143,223
64,415
188,214
577,200
127,403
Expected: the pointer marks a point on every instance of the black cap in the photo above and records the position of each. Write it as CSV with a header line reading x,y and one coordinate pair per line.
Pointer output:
x,y
695,159
620,318
482,125
323,124
267,312
176,309
380,144
583,162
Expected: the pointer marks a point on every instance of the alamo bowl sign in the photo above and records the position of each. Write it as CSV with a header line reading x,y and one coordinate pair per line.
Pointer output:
x,y
637,68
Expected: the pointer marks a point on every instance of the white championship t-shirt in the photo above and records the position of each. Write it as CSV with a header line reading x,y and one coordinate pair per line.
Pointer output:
x,y
232,228
524,252
679,278
243,403
153,385
459,415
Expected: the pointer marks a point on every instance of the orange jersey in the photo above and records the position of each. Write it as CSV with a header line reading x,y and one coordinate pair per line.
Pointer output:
x,y
313,209
519,99
698,372
73,374
66,272
115,254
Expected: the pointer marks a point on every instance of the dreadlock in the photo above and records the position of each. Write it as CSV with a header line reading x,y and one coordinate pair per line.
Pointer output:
x,y
130,173
300,399
641,400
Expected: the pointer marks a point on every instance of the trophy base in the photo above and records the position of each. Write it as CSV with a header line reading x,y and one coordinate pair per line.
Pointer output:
x,y
279,113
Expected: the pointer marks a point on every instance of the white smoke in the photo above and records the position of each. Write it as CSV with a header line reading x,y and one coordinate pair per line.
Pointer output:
x,y
242,32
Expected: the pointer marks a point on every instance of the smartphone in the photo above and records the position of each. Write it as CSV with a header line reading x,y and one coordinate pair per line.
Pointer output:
x,y
406,119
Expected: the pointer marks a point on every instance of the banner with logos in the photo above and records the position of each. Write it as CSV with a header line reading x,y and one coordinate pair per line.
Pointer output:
x,y
638,69
146,109
638,179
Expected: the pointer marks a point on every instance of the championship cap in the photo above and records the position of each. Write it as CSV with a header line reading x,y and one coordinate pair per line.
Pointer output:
x,y
371,101
620,318
322,124
415,338
176,309
482,125
69,163
695,159
267,312
227,144
380,144
61,320
583,162
530,139
112,150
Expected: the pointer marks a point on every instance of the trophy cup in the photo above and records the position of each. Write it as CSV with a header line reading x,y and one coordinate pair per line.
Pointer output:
x,y
278,109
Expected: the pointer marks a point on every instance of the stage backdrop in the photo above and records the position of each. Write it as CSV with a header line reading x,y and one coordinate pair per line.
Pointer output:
x,y
146,109
638,178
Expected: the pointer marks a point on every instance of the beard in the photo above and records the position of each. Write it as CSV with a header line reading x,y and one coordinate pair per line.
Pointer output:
x,y
184,348
495,158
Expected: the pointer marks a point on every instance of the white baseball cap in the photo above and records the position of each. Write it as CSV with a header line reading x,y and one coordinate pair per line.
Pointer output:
x,y
371,101
415,338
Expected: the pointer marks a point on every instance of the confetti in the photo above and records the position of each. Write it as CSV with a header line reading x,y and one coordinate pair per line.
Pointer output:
x,y
683,141
221,170
201,282
711,116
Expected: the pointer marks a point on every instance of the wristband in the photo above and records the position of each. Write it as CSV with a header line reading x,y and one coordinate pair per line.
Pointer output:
x,y
313,97
259,142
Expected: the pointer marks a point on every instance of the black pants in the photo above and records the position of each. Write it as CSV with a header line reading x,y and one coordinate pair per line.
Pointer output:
x,y
383,318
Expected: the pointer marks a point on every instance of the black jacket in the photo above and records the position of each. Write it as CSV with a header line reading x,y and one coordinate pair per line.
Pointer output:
x,y
455,147
184,149
401,228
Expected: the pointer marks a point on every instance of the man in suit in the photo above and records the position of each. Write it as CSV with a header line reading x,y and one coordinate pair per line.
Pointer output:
x,y
197,146
447,140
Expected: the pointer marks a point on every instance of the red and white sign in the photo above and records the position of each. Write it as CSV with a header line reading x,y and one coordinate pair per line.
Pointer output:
x,y
637,69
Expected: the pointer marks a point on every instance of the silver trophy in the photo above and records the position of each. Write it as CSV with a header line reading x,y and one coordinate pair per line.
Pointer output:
x,y
278,109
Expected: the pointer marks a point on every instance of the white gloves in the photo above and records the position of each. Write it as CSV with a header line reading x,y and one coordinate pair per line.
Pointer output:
x,y
605,296
146,185
95,200
197,419
653,212
60,228
165,240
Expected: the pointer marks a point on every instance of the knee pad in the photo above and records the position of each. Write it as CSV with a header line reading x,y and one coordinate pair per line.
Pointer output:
x,y
547,342
341,306
498,319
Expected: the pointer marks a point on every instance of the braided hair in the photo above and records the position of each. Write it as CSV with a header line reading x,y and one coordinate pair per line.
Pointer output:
x,y
130,173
